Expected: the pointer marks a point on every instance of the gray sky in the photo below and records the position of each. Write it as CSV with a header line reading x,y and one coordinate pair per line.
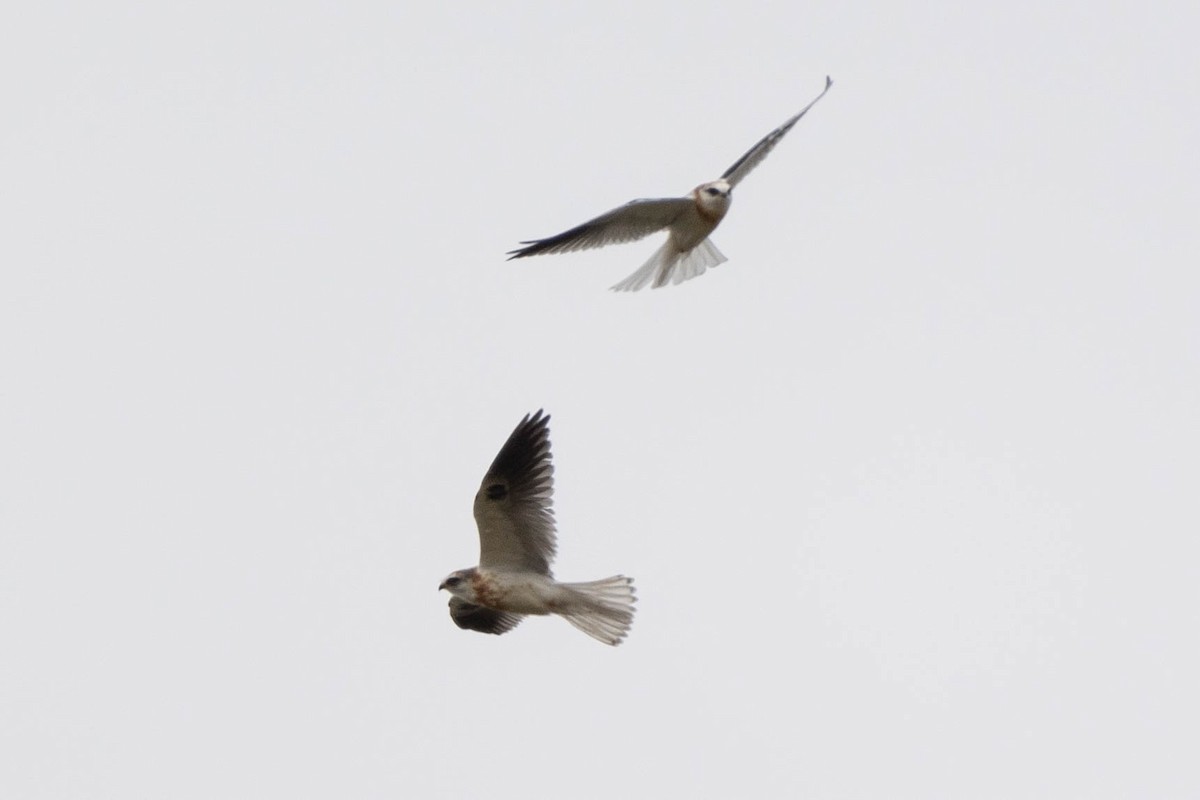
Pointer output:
x,y
908,485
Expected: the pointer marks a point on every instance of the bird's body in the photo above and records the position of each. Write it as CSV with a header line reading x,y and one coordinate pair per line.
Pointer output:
x,y
689,220
518,592
517,544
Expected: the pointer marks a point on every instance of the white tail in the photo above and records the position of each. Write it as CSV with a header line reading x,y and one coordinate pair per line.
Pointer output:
x,y
669,265
606,607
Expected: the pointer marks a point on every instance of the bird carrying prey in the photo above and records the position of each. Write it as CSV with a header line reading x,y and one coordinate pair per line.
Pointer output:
x,y
516,545
689,220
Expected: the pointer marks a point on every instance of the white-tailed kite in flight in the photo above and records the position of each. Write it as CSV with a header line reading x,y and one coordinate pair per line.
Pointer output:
x,y
516,545
688,251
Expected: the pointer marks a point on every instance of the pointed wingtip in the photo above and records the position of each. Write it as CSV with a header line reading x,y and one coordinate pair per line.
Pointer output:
x,y
537,421
524,250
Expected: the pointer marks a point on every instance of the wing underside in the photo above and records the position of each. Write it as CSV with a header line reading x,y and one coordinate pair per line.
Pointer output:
x,y
513,507
755,155
628,223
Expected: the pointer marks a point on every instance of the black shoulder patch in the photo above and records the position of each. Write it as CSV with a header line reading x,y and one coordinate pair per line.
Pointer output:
x,y
497,491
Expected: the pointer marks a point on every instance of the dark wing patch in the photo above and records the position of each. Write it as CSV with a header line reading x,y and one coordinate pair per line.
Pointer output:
x,y
479,618
635,220
754,156
513,507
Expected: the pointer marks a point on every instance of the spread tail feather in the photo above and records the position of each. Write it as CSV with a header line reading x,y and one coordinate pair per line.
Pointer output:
x,y
669,265
606,608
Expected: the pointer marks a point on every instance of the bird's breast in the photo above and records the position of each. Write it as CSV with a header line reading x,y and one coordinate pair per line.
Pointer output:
x,y
521,593
693,228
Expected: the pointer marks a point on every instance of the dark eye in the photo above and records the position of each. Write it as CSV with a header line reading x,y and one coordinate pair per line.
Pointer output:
x,y
712,191
453,581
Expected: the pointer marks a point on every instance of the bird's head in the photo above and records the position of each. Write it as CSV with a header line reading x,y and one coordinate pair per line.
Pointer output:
x,y
714,197
458,583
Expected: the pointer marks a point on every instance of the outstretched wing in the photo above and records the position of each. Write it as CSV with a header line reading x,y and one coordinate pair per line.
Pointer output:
x,y
513,505
478,618
754,156
635,220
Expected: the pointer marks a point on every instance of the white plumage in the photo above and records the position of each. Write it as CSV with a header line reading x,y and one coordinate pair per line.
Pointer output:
x,y
513,511
689,220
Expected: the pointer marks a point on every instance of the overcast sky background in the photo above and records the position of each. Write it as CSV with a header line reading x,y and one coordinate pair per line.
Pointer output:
x,y
910,486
